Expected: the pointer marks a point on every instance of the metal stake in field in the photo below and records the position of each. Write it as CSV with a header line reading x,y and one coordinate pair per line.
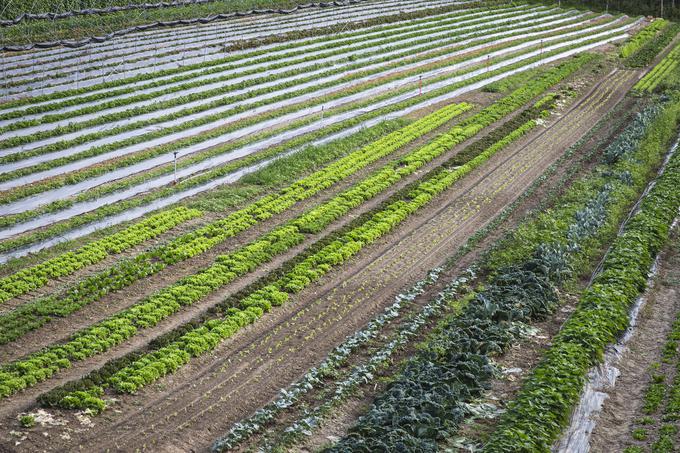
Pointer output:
x,y
322,111
175,153
420,86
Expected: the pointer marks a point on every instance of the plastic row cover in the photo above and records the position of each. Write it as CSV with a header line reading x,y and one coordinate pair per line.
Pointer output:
x,y
145,27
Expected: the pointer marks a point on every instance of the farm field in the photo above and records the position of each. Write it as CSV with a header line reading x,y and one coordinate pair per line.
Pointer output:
x,y
358,226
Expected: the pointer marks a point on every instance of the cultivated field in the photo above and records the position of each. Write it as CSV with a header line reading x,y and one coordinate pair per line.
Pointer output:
x,y
363,226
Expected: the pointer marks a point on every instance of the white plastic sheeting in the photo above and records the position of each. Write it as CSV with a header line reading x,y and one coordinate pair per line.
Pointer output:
x,y
24,204
336,63
164,202
227,33
263,23
338,60
196,73
122,69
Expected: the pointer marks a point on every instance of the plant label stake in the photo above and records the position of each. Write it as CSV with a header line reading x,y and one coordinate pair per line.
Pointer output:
x,y
175,153
322,111
420,86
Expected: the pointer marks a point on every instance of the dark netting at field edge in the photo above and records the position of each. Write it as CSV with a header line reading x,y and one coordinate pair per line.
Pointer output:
x,y
145,27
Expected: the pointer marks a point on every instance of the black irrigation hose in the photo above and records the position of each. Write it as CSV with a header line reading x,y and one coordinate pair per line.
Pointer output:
x,y
125,31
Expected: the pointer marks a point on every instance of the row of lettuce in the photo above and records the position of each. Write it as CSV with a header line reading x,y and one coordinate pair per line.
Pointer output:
x,y
309,266
32,278
663,76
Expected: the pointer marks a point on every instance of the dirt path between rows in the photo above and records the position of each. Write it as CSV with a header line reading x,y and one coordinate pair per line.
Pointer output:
x,y
624,402
188,410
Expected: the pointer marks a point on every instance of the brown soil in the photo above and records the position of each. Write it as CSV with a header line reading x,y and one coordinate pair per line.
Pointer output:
x,y
187,410
623,406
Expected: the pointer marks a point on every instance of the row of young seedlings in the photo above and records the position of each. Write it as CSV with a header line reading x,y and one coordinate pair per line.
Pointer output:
x,y
445,301
189,245
151,366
